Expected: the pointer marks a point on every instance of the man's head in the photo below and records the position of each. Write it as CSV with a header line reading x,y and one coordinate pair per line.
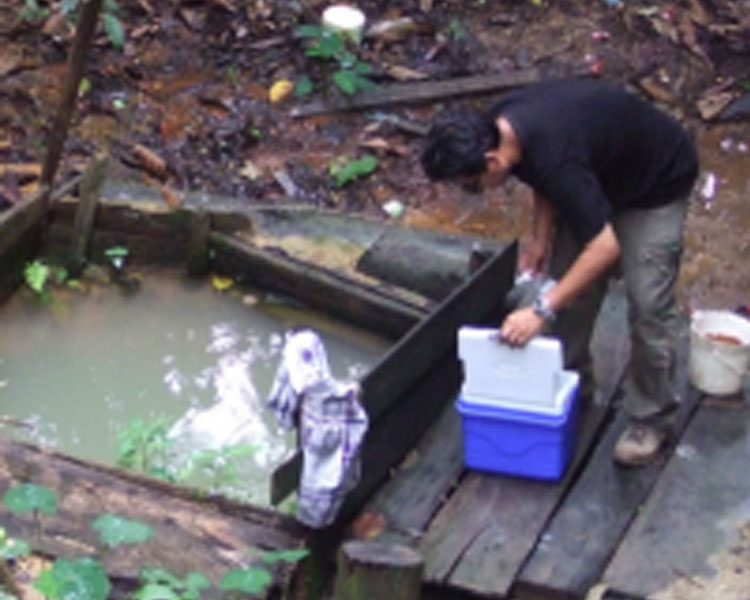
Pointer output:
x,y
457,144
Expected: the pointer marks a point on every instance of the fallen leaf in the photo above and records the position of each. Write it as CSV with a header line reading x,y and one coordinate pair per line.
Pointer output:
x,y
710,105
171,197
368,525
690,38
221,283
405,73
5,144
152,162
383,145
10,59
425,5
280,91
33,170
250,171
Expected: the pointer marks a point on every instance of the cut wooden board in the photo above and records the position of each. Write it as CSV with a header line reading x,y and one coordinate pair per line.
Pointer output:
x,y
691,540
426,91
212,535
587,528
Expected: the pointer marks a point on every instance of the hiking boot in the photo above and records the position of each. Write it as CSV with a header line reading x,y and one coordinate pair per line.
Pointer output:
x,y
639,444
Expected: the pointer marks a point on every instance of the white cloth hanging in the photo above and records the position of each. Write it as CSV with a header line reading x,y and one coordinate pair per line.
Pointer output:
x,y
332,426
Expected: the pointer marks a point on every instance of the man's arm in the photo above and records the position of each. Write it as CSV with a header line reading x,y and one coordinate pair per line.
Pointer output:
x,y
536,252
596,257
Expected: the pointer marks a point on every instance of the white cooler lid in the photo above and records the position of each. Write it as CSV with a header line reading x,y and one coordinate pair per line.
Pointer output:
x,y
528,375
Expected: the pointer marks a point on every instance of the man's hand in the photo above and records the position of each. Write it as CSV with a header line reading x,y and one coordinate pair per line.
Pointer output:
x,y
520,326
534,256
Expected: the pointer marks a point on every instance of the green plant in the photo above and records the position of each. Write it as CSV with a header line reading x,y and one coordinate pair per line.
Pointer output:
x,y
115,530
160,584
11,548
76,579
330,46
110,21
30,497
117,256
345,170
31,11
220,464
36,274
248,580
143,446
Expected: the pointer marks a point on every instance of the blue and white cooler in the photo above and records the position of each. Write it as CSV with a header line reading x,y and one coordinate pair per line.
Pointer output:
x,y
518,405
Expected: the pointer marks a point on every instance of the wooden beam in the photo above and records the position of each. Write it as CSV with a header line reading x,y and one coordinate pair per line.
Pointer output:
x,y
85,27
84,218
426,91
317,287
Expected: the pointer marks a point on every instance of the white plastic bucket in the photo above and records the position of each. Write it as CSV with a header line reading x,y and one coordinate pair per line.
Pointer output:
x,y
719,351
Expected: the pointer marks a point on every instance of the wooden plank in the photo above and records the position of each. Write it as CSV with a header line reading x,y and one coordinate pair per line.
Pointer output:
x,y
415,492
587,528
318,287
84,218
420,348
213,534
400,428
426,91
691,539
481,538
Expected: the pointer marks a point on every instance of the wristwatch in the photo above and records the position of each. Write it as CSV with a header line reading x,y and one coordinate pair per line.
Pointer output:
x,y
541,306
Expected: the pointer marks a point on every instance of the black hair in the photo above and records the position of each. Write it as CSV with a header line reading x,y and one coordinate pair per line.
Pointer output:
x,y
457,142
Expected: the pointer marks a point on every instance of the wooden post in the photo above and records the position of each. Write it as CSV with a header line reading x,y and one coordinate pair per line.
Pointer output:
x,y
84,219
199,228
85,27
378,571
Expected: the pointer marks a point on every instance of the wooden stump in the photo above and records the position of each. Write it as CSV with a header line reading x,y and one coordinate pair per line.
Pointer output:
x,y
378,571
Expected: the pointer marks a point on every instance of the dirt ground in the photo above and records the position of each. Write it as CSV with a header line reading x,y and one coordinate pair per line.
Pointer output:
x,y
185,104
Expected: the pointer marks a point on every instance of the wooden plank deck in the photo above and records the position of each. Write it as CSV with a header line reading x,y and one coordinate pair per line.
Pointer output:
x,y
635,532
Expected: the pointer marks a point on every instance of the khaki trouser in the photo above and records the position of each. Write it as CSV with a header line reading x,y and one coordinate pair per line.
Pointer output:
x,y
651,248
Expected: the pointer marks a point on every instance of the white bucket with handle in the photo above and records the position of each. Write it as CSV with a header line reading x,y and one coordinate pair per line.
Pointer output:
x,y
719,351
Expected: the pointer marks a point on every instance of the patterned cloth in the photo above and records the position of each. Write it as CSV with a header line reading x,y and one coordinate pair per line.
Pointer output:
x,y
332,426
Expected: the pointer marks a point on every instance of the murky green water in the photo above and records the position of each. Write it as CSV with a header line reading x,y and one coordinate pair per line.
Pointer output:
x,y
82,369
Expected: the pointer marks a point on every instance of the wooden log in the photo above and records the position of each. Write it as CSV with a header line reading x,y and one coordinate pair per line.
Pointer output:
x,y
84,218
373,570
317,287
429,264
199,227
85,27
211,533
427,91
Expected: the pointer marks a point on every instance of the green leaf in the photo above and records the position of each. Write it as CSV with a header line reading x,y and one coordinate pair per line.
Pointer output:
x,y
115,530
251,580
28,497
12,548
288,556
363,68
303,87
110,6
68,6
77,579
159,575
309,31
346,81
156,591
348,171
114,30
194,583
36,274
